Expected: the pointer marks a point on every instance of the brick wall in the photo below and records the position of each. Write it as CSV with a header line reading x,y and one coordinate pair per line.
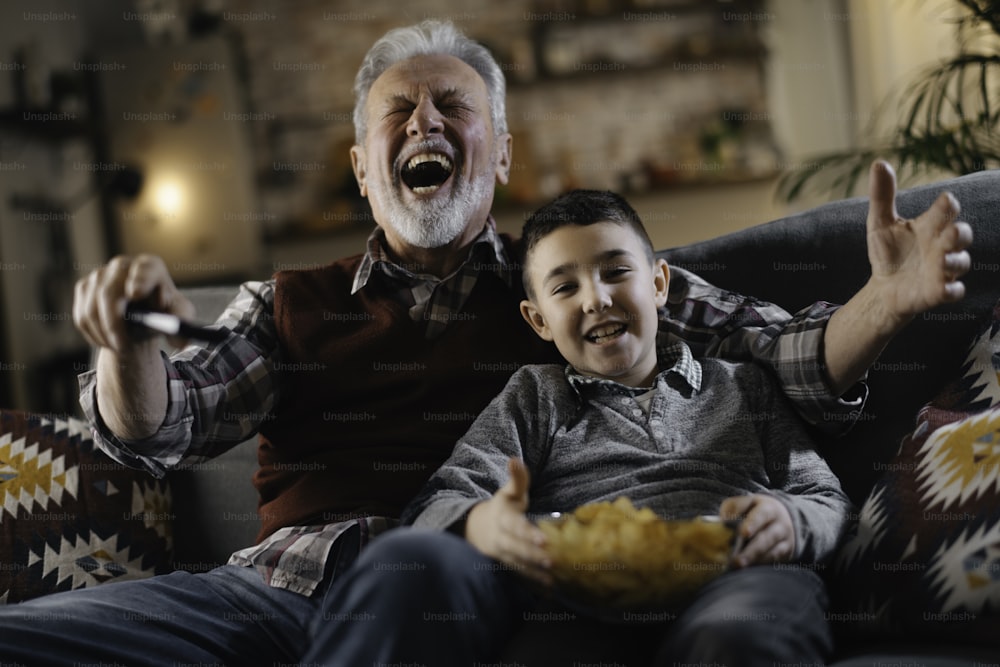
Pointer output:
x,y
582,128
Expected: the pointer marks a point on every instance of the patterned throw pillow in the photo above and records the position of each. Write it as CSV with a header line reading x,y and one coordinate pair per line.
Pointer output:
x,y
924,559
70,517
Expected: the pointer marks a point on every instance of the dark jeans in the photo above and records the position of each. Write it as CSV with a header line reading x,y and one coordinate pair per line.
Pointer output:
x,y
760,616
412,597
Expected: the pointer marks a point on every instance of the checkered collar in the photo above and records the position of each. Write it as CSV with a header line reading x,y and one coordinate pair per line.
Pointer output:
x,y
487,248
673,357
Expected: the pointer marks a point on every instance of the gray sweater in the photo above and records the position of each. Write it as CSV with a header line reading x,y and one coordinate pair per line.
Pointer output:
x,y
714,429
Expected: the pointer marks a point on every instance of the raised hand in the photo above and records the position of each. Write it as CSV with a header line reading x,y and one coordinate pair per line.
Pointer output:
x,y
916,264
100,298
499,528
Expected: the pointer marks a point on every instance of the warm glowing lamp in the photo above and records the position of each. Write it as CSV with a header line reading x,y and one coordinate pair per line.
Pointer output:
x,y
169,199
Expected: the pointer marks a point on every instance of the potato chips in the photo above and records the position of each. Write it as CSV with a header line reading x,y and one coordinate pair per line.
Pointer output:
x,y
611,554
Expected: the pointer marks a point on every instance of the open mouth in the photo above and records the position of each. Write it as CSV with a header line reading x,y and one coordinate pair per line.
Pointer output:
x,y
426,172
605,333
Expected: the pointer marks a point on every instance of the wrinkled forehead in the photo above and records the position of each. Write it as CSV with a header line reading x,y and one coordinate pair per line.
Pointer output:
x,y
436,73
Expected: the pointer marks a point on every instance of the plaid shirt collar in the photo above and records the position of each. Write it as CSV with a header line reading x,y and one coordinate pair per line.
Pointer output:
x,y
487,248
673,357
434,301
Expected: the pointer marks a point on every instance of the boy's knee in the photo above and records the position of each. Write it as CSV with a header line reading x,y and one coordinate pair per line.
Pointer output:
x,y
755,637
724,639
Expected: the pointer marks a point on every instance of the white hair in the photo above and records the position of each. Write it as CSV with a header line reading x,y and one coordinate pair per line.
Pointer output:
x,y
429,37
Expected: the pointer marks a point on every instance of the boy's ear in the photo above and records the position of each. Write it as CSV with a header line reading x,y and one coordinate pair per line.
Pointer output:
x,y
661,282
533,317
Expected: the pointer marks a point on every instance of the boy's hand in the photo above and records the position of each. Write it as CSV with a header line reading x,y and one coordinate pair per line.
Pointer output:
x,y
766,529
499,529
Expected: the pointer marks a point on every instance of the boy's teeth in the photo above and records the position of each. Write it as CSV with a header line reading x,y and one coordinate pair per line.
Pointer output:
x,y
606,331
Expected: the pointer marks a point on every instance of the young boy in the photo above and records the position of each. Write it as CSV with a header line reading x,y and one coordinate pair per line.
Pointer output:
x,y
634,414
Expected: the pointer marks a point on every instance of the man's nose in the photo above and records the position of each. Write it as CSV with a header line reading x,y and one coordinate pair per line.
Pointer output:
x,y
425,120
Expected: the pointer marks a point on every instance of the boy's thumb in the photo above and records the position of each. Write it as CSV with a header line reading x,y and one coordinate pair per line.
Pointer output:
x,y
735,508
520,480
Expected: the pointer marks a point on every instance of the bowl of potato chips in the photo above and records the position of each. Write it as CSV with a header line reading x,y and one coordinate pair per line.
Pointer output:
x,y
613,556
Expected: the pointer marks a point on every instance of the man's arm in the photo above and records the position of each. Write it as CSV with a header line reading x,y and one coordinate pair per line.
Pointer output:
x,y
821,354
151,412
131,378
916,265
719,323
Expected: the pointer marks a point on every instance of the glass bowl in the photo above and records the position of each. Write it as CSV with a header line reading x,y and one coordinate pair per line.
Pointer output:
x,y
612,556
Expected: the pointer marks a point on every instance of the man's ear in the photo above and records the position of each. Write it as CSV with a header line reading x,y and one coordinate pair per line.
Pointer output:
x,y
533,317
358,165
505,147
661,282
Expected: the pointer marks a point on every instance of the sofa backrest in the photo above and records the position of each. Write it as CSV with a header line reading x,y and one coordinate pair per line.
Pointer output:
x,y
821,254
214,502
818,254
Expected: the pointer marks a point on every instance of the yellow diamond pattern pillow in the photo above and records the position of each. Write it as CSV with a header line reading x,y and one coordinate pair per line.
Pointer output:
x,y
924,559
71,517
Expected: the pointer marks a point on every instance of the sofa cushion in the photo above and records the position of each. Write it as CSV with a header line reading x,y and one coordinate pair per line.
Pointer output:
x,y
925,556
70,517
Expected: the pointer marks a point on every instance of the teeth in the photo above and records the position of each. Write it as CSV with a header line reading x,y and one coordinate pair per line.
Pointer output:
x,y
606,331
429,157
426,189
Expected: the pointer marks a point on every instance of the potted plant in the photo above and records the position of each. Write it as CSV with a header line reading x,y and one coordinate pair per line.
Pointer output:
x,y
948,119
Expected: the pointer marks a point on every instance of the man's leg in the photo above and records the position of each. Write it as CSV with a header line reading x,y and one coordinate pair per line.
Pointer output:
x,y
226,616
759,616
418,597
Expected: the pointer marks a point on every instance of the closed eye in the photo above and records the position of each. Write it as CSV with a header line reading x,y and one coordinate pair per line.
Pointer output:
x,y
452,103
398,104
405,112
564,288
455,112
617,272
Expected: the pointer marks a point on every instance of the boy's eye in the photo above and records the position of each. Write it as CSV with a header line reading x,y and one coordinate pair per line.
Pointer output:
x,y
617,271
563,288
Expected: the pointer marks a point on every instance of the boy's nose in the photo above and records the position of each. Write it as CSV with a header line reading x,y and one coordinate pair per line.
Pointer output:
x,y
596,299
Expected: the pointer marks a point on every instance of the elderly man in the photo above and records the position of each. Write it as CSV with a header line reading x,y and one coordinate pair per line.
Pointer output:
x,y
338,368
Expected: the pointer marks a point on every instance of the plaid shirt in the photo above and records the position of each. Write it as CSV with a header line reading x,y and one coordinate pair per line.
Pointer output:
x,y
430,298
218,395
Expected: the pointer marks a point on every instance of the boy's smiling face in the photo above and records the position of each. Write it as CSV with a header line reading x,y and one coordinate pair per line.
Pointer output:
x,y
596,295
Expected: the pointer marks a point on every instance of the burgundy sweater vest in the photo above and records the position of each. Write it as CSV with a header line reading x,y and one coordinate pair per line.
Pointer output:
x,y
369,408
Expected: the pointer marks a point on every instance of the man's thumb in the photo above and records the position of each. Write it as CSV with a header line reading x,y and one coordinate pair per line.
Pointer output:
x,y
882,194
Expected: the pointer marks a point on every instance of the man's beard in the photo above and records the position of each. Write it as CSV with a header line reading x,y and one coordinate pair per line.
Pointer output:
x,y
436,222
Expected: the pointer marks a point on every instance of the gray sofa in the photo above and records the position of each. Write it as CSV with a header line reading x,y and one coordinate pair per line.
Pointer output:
x,y
819,254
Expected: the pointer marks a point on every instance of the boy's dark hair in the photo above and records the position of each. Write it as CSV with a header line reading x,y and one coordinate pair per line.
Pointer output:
x,y
580,207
